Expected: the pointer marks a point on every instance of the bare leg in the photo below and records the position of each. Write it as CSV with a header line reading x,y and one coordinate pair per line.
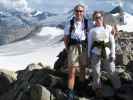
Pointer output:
x,y
71,77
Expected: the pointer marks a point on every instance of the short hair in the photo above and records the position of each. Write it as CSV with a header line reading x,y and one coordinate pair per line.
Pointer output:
x,y
79,5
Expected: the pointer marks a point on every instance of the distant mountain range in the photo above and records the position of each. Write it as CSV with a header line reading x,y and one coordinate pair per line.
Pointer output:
x,y
117,9
16,25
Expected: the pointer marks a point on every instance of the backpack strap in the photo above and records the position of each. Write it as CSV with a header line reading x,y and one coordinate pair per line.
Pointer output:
x,y
73,28
86,27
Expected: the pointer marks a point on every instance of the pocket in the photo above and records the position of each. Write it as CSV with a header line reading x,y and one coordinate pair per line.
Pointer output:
x,y
83,59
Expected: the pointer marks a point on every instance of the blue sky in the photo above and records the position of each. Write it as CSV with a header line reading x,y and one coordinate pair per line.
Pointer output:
x,y
61,6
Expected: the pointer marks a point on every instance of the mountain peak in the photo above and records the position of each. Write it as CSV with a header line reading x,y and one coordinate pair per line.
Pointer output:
x,y
117,9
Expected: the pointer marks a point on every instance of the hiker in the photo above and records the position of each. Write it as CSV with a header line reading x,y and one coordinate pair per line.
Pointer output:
x,y
75,39
115,31
101,49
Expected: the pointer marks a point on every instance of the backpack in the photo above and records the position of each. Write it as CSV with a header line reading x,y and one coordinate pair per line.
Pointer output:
x,y
71,41
73,28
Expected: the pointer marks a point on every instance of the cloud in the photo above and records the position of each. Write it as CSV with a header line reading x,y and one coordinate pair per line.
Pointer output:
x,y
20,5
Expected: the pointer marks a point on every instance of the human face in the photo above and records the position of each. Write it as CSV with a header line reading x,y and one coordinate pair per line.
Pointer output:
x,y
98,18
79,13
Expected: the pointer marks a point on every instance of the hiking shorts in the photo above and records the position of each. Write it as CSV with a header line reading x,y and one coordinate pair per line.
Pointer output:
x,y
77,56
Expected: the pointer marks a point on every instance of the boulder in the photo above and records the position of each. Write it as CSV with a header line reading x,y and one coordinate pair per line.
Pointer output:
x,y
39,92
5,82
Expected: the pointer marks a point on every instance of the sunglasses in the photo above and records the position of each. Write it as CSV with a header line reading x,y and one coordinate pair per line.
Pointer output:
x,y
78,10
98,17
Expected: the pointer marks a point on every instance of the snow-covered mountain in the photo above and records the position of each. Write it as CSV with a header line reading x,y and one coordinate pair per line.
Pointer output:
x,y
41,15
16,25
124,19
128,23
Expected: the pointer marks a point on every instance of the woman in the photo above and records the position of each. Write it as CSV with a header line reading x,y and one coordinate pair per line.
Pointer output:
x,y
101,48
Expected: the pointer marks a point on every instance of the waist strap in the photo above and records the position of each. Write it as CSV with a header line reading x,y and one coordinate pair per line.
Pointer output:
x,y
102,45
76,42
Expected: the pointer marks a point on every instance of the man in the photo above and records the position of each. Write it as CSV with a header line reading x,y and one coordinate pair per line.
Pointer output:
x,y
75,39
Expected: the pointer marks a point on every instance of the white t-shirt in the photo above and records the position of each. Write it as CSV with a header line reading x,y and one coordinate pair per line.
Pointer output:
x,y
79,33
101,34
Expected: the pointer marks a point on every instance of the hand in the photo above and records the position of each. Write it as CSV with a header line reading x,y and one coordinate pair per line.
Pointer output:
x,y
112,58
89,60
66,50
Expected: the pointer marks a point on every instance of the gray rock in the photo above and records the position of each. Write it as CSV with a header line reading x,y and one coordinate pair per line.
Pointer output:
x,y
120,69
12,74
34,66
125,92
126,76
119,60
5,82
39,92
130,65
108,91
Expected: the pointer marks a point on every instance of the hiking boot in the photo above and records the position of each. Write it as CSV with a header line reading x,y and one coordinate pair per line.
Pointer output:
x,y
98,93
71,95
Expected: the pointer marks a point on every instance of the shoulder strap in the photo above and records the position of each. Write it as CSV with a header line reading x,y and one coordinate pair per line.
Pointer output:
x,y
86,24
86,27
71,26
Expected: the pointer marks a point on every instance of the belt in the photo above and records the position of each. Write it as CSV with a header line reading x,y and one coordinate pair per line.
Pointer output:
x,y
102,45
76,42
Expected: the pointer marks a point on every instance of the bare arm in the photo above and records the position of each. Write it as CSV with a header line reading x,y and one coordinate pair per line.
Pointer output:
x,y
112,41
114,30
89,43
66,41
66,35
